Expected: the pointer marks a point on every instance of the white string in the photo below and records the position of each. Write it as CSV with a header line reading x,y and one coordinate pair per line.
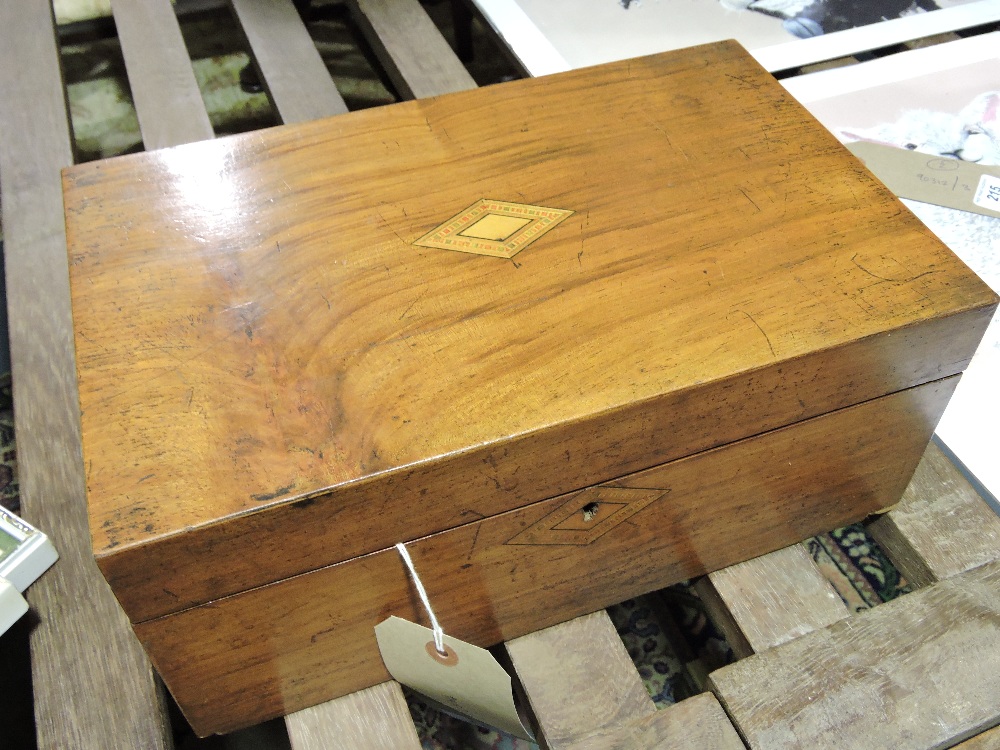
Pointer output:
x,y
438,632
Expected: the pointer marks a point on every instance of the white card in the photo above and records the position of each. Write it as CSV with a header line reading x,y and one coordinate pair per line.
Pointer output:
x,y
988,193
12,605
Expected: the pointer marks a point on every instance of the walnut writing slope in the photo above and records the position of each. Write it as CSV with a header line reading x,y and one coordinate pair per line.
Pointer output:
x,y
572,338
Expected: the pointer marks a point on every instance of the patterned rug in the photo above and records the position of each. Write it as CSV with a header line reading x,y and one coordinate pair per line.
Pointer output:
x,y
667,633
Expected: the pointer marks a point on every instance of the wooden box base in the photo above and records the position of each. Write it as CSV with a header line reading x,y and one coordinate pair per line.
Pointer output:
x,y
571,339
287,646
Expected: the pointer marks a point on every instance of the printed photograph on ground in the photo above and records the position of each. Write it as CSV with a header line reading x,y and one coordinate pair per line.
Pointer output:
x,y
588,32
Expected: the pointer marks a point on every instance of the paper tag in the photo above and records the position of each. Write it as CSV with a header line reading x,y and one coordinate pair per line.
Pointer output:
x,y
468,680
988,193
921,177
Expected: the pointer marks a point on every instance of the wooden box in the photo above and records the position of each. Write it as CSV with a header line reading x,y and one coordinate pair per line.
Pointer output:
x,y
572,339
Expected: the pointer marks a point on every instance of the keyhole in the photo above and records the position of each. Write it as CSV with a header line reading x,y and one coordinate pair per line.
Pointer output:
x,y
590,511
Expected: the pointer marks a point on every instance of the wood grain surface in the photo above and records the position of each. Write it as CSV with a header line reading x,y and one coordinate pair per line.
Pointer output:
x,y
290,67
921,671
942,527
90,679
167,100
579,678
766,601
292,644
370,719
416,53
697,723
301,367
418,60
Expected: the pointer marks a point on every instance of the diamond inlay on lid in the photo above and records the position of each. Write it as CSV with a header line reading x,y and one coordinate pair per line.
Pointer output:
x,y
496,228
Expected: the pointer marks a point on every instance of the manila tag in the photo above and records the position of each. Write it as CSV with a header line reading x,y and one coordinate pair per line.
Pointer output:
x,y
952,183
466,679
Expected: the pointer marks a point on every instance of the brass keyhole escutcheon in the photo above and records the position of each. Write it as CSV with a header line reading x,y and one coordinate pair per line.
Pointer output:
x,y
590,511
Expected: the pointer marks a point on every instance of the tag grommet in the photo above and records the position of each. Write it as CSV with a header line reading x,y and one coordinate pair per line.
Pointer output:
x,y
449,658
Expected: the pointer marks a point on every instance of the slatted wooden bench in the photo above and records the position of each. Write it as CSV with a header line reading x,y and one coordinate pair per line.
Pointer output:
x,y
922,671
928,662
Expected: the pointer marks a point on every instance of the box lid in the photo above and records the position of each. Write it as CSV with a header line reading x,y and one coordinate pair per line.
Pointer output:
x,y
301,345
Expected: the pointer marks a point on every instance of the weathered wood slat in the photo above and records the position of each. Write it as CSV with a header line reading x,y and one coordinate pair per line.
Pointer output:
x,y
579,678
167,100
91,680
698,723
291,69
928,661
769,600
418,60
369,719
941,528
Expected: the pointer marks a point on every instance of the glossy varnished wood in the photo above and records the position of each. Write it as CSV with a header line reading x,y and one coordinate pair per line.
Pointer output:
x,y
267,363
295,643
418,59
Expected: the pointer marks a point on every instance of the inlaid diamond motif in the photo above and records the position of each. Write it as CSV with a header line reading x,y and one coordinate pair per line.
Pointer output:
x,y
588,515
496,228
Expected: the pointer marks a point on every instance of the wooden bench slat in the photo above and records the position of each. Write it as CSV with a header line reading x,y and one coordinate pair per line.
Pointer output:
x,y
369,719
769,600
291,69
698,723
941,528
928,661
91,679
167,100
579,678
418,60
